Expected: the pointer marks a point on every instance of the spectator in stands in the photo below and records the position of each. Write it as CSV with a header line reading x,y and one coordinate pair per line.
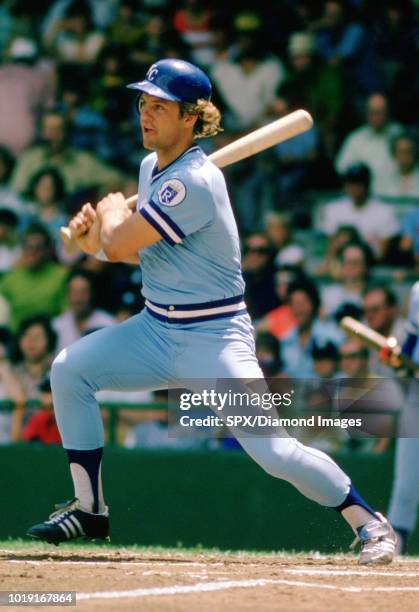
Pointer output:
x,y
268,353
297,344
247,86
344,43
403,180
193,22
356,260
409,242
10,388
280,320
47,194
10,250
25,93
258,273
325,357
8,198
295,159
73,39
314,85
101,13
395,36
381,311
37,285
105,122
354,359
278,229
81,316
158,41
375,221
80,169
36,341
128,27
42,427
330,266
370,143
7,162
87,126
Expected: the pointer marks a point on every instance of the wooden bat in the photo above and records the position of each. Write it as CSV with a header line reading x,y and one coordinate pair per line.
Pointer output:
x,y
375,340
275,132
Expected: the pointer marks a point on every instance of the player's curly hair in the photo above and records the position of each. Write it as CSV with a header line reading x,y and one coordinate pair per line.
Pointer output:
x,y
209,117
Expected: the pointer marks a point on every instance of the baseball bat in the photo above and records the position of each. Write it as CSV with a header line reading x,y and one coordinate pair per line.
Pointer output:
x,y
376,340
275,132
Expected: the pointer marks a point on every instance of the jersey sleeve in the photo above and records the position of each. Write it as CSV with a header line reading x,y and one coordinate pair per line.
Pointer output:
x,y
179,207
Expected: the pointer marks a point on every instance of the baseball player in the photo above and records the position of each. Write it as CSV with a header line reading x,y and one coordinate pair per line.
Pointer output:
x,y
194,324
405,494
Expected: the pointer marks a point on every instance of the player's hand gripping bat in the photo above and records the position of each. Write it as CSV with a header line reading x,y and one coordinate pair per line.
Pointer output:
x,y
388,347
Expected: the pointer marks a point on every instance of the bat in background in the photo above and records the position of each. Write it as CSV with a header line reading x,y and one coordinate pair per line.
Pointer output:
x,y
378,341
275,132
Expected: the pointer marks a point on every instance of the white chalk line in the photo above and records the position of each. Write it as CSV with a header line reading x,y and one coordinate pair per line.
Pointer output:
x,y
327,571
232,584
349,572
113,563
203,587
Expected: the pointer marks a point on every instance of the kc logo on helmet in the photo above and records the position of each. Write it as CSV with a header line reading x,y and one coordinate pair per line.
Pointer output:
x,y
152,72
172,193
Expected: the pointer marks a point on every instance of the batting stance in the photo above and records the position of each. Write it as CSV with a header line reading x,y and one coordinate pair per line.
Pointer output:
x,y
195,323
404,501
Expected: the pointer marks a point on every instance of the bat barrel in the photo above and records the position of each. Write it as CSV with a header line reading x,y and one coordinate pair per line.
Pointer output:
x,y
275,132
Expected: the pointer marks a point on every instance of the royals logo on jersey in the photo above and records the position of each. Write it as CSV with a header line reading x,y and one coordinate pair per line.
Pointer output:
x,y
172,192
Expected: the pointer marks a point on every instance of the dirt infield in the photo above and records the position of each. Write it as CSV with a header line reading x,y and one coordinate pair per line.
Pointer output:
x,y
181,581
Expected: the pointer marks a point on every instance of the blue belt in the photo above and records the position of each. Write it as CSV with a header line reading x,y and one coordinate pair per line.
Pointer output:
x,y
196,313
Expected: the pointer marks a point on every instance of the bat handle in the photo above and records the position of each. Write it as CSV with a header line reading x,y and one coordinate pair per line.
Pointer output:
x,y
66,233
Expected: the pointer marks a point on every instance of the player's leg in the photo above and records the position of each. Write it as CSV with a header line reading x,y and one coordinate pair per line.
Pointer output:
x,y
405,493
312,472
404,500
129,356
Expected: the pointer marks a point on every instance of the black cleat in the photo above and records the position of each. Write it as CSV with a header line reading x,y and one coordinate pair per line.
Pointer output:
x,y
69,522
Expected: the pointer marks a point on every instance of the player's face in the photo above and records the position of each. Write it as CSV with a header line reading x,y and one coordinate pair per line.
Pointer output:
x,y
161,123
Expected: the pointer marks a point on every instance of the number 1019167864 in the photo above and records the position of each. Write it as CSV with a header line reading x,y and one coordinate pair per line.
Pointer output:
x,y
37,598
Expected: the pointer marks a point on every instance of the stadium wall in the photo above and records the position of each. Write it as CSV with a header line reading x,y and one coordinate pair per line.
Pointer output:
x,y
213,499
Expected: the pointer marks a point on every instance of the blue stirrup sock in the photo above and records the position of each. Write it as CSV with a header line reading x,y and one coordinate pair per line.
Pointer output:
x,y
85,467
354,499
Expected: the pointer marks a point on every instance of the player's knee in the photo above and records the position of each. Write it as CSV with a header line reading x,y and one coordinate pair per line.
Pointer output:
x,y
63,370
277,460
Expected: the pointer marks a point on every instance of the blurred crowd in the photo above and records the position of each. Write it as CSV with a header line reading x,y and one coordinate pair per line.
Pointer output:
x,y
329,220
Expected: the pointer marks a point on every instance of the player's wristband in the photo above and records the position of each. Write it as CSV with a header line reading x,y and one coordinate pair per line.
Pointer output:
x,y
101,255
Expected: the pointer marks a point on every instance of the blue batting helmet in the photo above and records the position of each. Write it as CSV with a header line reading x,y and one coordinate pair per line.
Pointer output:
x,y
176,80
